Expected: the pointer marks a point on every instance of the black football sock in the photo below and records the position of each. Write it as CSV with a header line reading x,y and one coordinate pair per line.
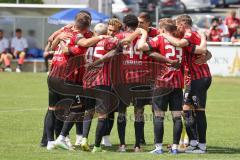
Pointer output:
x,y
121,125
79,128
142,140
44,136
190,124
110,122
58,127
201,121
177,129
100,131
158,129
50,123
67,126
87,121
138,133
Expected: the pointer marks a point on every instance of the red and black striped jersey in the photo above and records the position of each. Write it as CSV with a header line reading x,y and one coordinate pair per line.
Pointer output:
x,y
172,78
99,75
61,66
153,32
196,71
131,66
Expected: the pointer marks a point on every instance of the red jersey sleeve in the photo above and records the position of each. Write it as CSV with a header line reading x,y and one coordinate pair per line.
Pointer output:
x,y
154,44
190,49
188,36
110,43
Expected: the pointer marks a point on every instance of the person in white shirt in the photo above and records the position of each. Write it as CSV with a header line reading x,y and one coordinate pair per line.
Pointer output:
x,y
224,28
4,54
3,46
18,48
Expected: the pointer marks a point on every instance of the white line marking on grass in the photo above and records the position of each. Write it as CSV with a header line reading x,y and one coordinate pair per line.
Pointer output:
x,y
22,110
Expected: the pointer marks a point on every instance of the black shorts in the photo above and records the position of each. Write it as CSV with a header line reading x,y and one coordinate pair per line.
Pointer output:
x,y
173,99
196,93
102,99
141,102
55,97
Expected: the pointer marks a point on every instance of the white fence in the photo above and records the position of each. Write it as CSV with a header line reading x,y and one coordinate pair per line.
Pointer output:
x,y
225,58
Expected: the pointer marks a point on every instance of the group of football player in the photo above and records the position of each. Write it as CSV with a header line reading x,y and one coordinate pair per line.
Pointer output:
x,y
121,64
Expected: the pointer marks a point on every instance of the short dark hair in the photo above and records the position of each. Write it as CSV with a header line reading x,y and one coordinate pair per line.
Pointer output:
x,y
131,21
215,19
145,16
1,31
18,30
88,13
84,20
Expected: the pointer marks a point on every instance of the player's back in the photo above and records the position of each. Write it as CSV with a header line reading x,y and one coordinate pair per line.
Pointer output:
x,y
100,75
197,71
131,63
172,77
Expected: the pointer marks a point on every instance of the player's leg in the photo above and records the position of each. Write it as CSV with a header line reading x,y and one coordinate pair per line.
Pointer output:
x,y
139,119
201,120
20,61
79,123
189,118
51,118
175,105
44,140
140,104
102,109
87,121
184,141
79,132
160,104
121,125
7,61
110,121
63,140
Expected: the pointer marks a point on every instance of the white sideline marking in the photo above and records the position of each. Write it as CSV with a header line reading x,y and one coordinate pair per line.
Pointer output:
x,y
23,110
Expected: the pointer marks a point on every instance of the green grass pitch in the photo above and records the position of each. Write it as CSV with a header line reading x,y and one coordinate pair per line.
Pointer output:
x,y
23,104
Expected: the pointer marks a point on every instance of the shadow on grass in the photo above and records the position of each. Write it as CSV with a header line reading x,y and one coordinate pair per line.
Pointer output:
x,y
149,147
222,150
130,147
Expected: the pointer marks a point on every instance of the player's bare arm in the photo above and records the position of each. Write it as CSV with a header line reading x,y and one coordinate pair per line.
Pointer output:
x,y
59,38
163,59
132,36
202,48
103,59
204,58
88,42
142,45
56,33
175,41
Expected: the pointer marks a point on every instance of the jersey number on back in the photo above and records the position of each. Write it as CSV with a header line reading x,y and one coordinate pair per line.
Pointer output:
x,y
132,49
92,52
175,52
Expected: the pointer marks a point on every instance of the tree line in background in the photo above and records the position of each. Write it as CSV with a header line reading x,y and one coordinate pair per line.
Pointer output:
x,y
22,1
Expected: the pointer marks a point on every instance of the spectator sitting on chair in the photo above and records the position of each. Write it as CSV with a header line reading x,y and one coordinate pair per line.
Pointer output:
x,y
4,46
215,33
18,48
236,36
